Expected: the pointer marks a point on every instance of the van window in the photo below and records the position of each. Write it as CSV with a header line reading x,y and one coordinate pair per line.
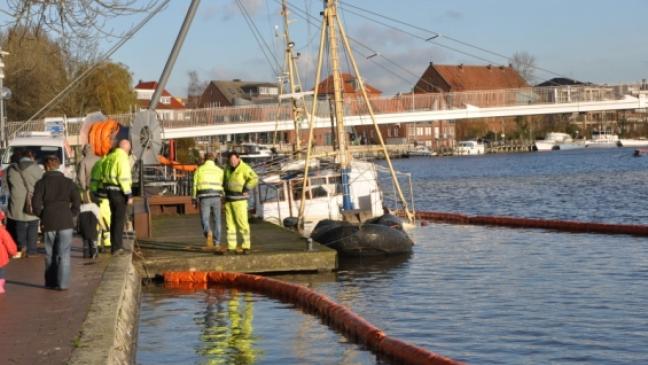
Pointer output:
x,y
39,152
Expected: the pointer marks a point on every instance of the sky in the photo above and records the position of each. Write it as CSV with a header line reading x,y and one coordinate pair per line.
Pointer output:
x,y
603,41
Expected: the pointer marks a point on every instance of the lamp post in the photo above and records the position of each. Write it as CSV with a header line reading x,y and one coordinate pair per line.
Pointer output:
x,y
4,94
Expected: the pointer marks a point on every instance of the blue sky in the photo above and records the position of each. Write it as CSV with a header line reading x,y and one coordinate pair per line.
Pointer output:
x,y
591,40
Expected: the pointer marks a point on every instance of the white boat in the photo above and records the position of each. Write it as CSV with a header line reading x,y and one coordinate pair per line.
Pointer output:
x,y
252,152
602,140
640,142
467,148
554,141
279,193
421,151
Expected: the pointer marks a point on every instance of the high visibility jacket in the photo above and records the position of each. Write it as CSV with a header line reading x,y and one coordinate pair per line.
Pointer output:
x,y
207,181
96,185
116,172
238,180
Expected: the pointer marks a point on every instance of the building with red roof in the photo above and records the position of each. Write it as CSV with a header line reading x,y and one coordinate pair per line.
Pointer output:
x,y
169,107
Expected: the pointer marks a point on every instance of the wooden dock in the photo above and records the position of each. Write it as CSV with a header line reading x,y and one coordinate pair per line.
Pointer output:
x,y
176,244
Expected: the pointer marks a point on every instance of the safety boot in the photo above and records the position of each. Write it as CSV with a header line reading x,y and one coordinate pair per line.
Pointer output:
x,y
209,241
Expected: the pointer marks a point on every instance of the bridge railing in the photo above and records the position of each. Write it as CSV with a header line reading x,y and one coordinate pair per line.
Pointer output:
x,y
403,103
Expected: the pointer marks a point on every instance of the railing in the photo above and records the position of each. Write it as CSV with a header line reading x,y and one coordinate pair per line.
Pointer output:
x,y
381,105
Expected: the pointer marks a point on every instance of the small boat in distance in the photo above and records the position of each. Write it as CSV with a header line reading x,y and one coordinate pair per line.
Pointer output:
x,y
253,153
555,141
640,142
602,139
421,151
469,148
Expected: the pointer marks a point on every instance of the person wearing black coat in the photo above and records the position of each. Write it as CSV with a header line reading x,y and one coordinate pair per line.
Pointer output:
x,y
56,201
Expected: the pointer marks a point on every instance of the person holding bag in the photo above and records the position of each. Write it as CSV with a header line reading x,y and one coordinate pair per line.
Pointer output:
x,y
22,176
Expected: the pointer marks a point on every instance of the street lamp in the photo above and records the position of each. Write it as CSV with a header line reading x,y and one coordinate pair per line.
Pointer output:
x,y
4,94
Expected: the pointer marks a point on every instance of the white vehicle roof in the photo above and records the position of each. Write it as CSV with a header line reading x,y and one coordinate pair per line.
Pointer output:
x,y
37,139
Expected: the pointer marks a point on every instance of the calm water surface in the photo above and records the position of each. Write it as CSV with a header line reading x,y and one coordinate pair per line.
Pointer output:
x,y
479,294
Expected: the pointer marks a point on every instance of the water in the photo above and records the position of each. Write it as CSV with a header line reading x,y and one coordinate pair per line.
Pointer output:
x,y
483,295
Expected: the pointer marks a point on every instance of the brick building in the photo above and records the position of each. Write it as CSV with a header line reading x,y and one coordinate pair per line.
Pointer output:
x,y
461,78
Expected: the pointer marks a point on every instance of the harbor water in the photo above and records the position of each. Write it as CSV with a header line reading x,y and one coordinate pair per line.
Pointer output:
x,y
484,295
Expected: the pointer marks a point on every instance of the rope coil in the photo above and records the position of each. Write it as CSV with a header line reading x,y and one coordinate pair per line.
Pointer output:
x,y
339,316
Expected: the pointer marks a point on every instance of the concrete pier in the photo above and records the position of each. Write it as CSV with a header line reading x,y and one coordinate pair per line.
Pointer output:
x,y
177,245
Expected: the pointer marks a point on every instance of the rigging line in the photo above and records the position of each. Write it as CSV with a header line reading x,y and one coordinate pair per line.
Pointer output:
x,y
259,38
464,43
428,40
393,63
126,37
302,14
306,16
273,29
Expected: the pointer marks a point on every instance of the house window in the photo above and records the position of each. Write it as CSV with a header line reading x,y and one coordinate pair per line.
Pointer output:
x,y
389,134
419,131
165,100
437,132
265,90
428,131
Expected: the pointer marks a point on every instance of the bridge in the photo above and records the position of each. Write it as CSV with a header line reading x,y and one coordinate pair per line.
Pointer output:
x,y
406,108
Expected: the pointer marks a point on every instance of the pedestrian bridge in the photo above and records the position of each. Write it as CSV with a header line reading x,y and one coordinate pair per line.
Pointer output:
x,y
406,108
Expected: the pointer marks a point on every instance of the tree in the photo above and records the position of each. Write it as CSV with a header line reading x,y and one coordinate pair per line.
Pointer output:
x,y
35,70
78,23
108,89
38,68
525,64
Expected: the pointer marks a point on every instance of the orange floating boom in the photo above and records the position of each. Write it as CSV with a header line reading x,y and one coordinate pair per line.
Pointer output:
x,y
339,316
550,224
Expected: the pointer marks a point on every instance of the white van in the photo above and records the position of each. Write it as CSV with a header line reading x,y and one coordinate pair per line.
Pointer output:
x,y
41,144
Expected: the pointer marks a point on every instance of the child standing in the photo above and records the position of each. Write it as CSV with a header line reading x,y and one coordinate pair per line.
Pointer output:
x,y
88,222
8,249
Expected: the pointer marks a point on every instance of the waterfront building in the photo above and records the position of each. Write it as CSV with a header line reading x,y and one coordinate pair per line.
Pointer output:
x,y
505,84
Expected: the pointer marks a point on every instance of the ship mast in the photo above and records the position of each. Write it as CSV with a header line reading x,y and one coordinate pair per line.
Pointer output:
x,y
330,22
292,69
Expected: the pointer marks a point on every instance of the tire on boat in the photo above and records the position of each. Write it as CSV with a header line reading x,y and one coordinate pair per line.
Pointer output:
x,y
389,220
369,239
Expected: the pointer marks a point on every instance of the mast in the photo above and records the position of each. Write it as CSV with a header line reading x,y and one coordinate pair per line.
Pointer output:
x,y
343,151
330,21
290,63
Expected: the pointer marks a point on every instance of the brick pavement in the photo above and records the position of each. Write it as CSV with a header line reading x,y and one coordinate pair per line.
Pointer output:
x,y
38,325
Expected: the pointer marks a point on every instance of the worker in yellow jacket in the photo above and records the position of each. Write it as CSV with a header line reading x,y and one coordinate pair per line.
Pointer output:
x,y
239,180
207,191
99,195
117,181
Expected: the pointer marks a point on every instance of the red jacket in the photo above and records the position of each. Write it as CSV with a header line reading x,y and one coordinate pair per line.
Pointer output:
x,y
8,247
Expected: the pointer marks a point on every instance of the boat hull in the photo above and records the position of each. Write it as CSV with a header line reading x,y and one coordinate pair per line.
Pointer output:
x,y
633,142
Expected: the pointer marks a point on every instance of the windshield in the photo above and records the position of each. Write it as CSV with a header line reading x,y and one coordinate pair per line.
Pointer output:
x,y
39,152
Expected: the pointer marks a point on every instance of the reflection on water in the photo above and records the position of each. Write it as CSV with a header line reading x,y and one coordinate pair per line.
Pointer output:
x,y
226,326
227,333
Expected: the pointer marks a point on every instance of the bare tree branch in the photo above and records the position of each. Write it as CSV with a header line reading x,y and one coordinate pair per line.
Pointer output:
x,y
78,23
525,64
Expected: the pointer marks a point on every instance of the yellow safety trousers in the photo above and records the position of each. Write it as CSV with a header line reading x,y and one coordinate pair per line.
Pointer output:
x,y
104,222
236,222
